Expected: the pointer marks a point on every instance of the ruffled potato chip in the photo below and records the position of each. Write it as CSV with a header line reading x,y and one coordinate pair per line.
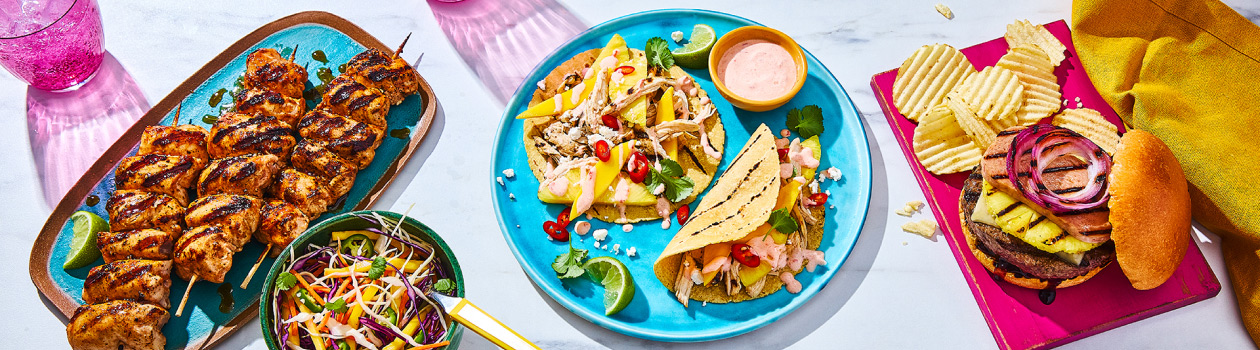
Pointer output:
x,y
924,78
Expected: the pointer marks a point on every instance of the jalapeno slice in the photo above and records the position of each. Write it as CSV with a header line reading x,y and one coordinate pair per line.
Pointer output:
x,y
357,245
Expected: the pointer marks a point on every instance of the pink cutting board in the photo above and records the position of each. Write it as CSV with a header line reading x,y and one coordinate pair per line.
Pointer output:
x,y
1016,315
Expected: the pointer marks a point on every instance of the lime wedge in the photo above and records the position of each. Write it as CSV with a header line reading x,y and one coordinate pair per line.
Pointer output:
x,y
618,285
83,251
695,54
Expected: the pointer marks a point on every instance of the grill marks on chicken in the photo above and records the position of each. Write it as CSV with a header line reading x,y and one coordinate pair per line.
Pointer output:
x,y
305,191
243,175
137,244
266,69
352,140
347,97
180,140
236,134
279,224
266,102
164,174
236,215
389,73
142,281
137,209
204,252
117,324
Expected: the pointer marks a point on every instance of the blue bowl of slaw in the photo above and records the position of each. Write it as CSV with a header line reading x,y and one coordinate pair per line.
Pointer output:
x,y
320,235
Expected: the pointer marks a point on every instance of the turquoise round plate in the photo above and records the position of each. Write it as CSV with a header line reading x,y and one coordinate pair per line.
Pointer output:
x,y
654,313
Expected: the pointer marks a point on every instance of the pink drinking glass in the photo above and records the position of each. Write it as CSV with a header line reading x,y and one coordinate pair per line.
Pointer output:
x,y
52,45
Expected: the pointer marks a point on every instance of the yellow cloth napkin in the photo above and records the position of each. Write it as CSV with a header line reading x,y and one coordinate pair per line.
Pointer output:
x,y
1188,71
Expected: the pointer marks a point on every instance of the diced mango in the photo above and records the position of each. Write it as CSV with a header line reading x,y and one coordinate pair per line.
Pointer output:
x,y
615,45
636,112
639,194
606,172
750,275
665,113
814,145
713,252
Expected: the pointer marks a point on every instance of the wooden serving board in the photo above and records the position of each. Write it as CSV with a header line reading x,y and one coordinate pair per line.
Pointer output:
x,y
206,321
1016,315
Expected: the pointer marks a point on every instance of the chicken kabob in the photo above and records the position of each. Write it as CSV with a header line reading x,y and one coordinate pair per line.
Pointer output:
x,y
339,138
127,299
248,150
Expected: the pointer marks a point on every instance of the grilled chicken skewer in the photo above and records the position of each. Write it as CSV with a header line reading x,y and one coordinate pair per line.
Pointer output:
x,y
265,69
142,281
221,226
164,174
117,324
236,134
243,175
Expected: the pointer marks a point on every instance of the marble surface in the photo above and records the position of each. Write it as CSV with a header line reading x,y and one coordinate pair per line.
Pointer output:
x,y
897,290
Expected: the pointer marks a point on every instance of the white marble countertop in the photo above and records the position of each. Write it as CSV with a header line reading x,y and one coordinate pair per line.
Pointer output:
x,y
897,290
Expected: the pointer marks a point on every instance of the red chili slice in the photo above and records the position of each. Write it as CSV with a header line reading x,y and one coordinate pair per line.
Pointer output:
x,y
556,231
626,70
638,167
783,154
744,255
602,151
563,219
611,121
684,213
818,198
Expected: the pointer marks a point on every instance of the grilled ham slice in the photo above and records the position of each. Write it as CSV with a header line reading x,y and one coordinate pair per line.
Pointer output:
x,y
1065,175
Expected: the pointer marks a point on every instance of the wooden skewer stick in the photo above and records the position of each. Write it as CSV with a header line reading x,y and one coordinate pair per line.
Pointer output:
x,y
400,46
180,311
293,54
177,110
255,268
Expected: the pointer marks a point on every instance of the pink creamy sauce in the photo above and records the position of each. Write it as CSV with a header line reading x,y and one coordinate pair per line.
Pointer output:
x,y
757,70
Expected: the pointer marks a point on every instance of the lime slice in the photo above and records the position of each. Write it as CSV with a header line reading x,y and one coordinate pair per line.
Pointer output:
x,y
618,285
695,54
83,251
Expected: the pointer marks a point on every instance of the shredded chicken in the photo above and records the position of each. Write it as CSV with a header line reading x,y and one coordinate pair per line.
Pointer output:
x,y
682,286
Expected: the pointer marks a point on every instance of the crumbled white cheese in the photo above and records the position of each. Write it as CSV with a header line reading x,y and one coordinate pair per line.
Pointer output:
x,y
511,196
1079,105
617,248
509,173
582,227
499,179
627,228
596,244
1078,99
518,226
704,304
600,234
541,85
665,224
905,243
677,35
632,252
658,190
832,173
925,228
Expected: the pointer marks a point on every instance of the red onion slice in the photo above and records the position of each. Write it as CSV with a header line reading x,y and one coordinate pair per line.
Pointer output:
x,y
1045,143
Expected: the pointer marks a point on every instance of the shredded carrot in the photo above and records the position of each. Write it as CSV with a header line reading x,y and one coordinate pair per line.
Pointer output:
x,y
320,289
314,296
430,346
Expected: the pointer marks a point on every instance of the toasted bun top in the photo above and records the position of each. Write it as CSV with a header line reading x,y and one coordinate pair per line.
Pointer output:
x,y
1150,209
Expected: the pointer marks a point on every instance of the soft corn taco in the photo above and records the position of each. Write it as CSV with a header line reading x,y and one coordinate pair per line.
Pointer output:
x,y
757,228
606,134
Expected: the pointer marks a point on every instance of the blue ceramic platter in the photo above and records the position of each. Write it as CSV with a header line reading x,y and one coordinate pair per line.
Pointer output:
x,y
654,313
205,315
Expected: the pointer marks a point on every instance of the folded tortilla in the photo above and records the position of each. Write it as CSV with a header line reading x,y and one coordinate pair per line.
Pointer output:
x,y
740,201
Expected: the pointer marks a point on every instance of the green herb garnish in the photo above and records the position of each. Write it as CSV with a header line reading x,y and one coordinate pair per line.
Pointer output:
x,y
569,265
658,54
444,286
338,305
286,281
378,268
781,220
806,121
677,186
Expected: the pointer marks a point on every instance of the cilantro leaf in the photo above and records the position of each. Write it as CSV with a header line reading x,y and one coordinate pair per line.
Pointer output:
x,y
569,265
781,220
338,305
805,121
378,268
677,186
444,286
658,54
286,281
